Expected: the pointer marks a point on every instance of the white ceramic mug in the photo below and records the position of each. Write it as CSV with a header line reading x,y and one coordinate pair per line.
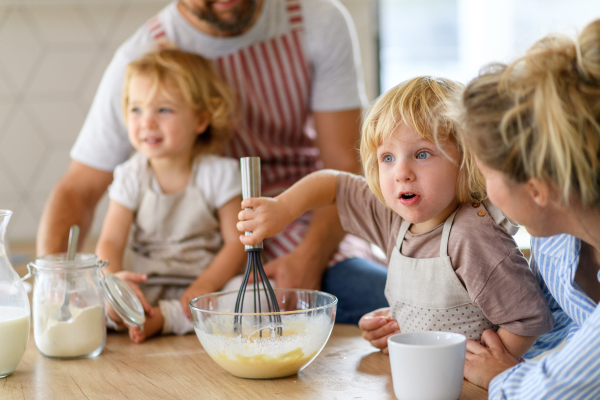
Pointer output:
x,y
427,365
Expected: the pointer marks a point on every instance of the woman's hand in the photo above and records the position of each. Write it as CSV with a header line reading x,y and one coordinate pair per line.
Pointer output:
x,y
486,360
266,218
132,279
377,326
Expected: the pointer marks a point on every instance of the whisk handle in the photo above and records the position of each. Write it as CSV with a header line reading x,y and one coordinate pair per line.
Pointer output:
x,y
250,167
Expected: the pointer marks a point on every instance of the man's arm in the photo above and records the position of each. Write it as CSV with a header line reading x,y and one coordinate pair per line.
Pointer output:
x,y
337,135
73,201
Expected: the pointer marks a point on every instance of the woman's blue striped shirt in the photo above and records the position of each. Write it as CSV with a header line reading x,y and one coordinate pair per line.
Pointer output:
x,y
574,371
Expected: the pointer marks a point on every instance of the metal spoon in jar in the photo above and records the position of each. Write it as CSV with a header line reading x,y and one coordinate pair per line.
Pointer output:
x,y
63,313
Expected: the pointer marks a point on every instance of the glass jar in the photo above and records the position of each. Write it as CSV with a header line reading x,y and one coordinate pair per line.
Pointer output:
x,y
84,333
14,309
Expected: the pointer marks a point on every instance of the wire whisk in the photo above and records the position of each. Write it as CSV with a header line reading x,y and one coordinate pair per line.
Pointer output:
x,y
250,167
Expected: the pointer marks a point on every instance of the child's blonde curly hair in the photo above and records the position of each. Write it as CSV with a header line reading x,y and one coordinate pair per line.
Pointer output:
x,y
198,83
423,103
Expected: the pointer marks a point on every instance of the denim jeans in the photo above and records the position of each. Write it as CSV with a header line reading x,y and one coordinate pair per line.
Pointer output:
x,y
359,285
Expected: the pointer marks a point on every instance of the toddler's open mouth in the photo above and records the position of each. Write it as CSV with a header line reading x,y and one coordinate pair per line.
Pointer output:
x,y
409,199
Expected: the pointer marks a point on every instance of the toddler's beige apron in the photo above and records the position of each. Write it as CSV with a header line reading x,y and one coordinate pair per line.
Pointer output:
x,y
426,295
174,238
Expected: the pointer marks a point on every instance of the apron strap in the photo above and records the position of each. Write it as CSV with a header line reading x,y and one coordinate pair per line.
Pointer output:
x,y
446,234
401,233
147,177
294,14
156,29
145,180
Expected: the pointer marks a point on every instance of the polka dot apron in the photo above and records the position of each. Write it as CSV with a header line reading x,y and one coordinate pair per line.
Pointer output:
x,y
426,295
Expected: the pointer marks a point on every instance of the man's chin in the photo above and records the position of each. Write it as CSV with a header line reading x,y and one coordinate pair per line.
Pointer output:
x,y
233,21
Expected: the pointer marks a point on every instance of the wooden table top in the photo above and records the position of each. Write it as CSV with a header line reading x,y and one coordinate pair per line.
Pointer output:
x,y
177,367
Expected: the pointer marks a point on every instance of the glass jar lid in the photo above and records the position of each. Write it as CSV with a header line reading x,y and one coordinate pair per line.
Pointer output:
x,y
123,300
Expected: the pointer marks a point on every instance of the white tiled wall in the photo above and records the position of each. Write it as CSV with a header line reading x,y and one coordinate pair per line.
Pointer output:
x,y
52,55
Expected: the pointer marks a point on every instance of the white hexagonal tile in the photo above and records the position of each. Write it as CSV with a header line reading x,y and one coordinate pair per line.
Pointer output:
x,y
8,191
89,87
61,72
61,120
61,25
9,205
5,110
4,10
132,18
14,207
52,168
19,48
6,93
23,224
21,148
101,18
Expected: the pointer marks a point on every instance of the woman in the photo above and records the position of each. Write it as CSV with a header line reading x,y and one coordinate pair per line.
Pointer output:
x,y
534,127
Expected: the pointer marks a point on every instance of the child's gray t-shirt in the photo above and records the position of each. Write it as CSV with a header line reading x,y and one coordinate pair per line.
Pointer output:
x,y
484,256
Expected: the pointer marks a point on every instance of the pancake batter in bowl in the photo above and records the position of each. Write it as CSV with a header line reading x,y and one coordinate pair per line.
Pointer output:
x,y
263,366
268,357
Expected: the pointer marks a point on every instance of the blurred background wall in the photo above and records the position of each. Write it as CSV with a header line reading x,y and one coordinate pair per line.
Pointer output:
x,y
53,54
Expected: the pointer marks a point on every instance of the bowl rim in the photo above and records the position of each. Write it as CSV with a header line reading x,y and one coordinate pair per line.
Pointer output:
x,y
192,307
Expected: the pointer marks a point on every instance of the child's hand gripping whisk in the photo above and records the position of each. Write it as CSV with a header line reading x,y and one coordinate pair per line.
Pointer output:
x,y
250,167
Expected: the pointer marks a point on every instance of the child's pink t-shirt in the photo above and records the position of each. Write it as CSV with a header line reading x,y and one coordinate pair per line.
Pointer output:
x,y
484,256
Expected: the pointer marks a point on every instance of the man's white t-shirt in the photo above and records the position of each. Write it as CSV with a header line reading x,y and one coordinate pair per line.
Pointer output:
x,y
218,179
331,47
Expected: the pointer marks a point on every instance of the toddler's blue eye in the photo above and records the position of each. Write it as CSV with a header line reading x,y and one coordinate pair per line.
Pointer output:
x,y
135,110
388,158
423,155
164,110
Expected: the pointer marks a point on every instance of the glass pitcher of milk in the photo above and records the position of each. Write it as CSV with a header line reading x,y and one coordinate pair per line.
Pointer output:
x,y
14,309
83,334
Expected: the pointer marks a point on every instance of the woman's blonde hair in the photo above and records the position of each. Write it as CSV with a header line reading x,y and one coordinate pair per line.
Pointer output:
x,y
198,83
539,117
421,103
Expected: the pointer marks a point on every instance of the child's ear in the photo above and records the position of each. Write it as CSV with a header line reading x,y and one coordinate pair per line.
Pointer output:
x,y
539,191
203,122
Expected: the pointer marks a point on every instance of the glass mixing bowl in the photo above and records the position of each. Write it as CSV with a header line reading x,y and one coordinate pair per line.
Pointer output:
x,y
248,345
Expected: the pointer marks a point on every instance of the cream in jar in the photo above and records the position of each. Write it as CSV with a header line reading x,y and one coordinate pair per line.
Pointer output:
x,y
79,336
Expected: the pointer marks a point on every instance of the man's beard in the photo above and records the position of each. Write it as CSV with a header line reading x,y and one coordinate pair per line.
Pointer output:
x,y
241,16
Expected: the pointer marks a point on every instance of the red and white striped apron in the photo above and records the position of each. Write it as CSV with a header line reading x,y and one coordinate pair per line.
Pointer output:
x,y
272,83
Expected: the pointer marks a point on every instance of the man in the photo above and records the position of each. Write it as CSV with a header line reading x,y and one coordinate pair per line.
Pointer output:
x,y
294,67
